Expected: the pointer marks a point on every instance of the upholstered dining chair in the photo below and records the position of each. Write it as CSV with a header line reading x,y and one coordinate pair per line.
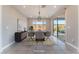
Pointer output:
x,y
47,34
31,35
39,36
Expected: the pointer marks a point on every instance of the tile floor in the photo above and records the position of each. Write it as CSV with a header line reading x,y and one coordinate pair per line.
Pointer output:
x,y
50,46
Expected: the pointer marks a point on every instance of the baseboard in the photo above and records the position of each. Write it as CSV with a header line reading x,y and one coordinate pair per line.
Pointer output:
x,y
6,46
72,47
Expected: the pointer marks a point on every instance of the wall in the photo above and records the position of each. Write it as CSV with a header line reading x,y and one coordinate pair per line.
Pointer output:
x,y
71,16
22,23
9,24
0,26
52,26
48,20
78,28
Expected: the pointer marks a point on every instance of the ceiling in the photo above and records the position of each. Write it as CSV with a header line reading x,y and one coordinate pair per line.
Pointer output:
x,y
32,11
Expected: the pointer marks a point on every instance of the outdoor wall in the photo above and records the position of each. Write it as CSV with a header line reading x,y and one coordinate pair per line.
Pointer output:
x,y
9,24
71,17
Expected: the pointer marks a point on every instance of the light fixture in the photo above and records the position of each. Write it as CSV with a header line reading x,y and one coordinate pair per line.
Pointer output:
x,y
39,12
39,17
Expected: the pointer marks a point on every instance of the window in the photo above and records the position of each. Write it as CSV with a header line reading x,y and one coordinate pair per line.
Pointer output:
x,y
39,25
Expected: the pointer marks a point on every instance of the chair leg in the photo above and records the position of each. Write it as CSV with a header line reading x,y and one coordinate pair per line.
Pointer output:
x,y
28,38
32,38
46,38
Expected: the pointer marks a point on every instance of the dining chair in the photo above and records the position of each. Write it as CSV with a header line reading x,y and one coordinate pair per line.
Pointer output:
x,y
31,35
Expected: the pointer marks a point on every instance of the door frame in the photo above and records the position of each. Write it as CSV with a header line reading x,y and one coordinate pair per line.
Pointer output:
x,y
57,25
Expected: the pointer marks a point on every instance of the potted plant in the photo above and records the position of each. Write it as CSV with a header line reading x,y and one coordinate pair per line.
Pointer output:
x,y
31,28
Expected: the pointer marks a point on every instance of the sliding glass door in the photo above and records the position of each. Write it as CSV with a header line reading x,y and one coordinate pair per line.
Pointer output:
x,y
55,27
59,28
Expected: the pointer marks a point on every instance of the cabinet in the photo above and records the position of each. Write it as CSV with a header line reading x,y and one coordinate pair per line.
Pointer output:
x,y
19,36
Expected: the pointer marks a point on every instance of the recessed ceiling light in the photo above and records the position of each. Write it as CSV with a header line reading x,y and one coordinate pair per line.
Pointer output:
x,y
55,6
24,6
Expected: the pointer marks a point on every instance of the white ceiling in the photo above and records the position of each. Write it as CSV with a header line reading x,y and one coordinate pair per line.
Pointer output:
x,y
31,11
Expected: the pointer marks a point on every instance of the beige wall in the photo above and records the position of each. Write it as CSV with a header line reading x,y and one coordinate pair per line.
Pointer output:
x,y
9,24
30,20
71,17
78,28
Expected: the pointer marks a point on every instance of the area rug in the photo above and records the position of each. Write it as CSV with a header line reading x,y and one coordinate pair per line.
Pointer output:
x,y
33,42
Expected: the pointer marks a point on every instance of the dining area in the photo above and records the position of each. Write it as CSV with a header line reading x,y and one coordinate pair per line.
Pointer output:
x,y
38,35
32,35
